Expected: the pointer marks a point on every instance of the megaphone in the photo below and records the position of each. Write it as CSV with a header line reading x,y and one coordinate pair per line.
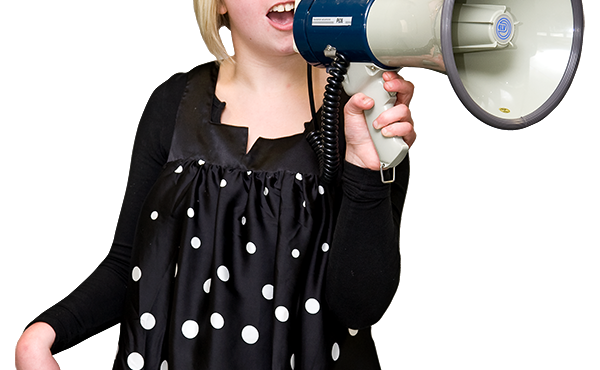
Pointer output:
x,y
509,61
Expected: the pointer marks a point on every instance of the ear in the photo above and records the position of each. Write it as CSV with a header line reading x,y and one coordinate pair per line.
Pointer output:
x,y
222,8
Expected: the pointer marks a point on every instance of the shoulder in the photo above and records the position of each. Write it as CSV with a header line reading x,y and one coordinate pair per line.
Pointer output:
x,y
165,99
174,86
158,120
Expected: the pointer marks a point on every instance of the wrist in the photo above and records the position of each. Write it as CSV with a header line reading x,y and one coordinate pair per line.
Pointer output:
x,y
33,348
355,154
354,159
38,335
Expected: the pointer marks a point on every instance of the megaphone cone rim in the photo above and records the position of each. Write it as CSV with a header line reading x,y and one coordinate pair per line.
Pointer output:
x,y
537,115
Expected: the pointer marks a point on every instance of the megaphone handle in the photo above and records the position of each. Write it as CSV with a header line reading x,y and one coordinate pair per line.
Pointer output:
x,y
368,79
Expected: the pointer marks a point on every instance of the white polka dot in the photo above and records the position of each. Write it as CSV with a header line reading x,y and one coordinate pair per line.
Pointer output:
x,y
353,332
179,169
282,314
312,306
304,204
154,215
325,247
267,291
176,269
135,361
251,248
223,273
147,321
164,365
136,274
217,321
248,173
223,183
299,176
321,190
190,329
206,286
293,361
196,242
266,191
335,351
295,253
243,220
250,334
190,212
201,162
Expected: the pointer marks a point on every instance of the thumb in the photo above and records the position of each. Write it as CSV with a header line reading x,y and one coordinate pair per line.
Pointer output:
x,y
358,103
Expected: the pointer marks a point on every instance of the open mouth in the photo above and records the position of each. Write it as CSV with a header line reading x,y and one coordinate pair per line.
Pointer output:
x,y
282,13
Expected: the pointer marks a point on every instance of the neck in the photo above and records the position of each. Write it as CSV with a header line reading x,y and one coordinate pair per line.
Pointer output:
x,y
264,74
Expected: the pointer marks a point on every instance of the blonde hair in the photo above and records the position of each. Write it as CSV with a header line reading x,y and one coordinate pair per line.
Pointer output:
x,y
210,20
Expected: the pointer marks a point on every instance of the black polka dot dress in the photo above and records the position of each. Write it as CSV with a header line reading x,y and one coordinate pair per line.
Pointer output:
x,y
230,254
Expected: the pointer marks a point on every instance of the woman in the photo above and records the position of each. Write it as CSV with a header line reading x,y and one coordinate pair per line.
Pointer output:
x,y
230,252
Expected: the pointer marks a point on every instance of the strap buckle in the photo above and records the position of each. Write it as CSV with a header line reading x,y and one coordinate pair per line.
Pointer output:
x,y
383,170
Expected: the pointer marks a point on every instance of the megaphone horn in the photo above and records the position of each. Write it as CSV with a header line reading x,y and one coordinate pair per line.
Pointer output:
x,y
510,62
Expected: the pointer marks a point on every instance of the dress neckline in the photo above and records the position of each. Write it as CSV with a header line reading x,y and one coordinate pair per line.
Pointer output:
x,y
217,110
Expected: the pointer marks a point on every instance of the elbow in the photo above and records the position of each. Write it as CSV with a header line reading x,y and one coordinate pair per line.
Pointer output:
x,y
359,318
362,304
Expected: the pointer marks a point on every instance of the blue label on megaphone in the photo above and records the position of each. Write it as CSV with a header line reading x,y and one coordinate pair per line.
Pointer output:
x,y
503,28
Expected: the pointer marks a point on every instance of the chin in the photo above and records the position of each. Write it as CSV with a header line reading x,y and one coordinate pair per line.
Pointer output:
x,y
290,53
288,47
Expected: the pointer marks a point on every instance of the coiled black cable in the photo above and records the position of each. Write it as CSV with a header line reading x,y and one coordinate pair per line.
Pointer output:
x,y
324,140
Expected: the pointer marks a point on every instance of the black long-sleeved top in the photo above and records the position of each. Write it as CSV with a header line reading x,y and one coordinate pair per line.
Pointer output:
x,y
364,263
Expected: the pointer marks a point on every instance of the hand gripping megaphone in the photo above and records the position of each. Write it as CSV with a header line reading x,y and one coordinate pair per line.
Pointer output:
x,y
509,61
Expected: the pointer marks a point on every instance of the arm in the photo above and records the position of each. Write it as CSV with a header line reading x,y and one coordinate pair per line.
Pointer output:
x,y
364,265
97,303
363,271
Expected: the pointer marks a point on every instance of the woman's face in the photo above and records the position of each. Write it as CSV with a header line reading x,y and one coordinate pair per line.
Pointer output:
x,y
263,26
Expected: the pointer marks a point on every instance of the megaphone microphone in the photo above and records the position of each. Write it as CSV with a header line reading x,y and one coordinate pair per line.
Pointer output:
x,y
510,62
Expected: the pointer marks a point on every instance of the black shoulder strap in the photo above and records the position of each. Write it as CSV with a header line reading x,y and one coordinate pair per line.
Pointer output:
x,y
194,110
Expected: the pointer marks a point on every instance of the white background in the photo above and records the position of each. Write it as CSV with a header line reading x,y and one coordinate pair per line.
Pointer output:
x,y
500,237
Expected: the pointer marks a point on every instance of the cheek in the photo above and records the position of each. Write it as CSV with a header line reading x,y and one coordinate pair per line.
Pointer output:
x,y
242,12
245,21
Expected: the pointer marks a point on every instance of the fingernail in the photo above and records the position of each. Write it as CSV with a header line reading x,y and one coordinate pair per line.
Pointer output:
x,y
375,124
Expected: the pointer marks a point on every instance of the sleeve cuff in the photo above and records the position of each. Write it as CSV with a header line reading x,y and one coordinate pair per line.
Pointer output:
x,y
362,184
54,317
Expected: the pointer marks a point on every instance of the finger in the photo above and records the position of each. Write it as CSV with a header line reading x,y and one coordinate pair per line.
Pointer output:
x,y
401,129
399,113
395,83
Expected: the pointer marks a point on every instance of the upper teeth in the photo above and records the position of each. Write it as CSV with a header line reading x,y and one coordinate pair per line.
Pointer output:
x,y
282,8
